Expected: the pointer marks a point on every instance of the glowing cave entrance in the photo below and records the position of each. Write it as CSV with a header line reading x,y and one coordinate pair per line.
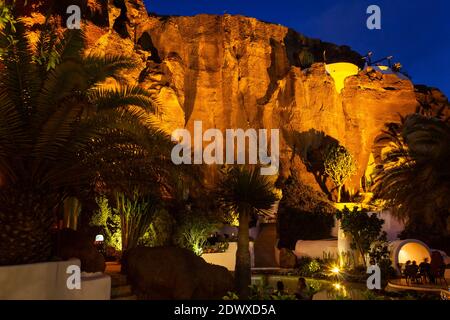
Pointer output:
x,y
411,249
340,71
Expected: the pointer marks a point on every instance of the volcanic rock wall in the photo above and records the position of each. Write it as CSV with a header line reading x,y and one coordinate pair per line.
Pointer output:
x,y
238,72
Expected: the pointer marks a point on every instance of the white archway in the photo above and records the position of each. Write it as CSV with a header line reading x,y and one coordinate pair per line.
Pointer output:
x,y
410,249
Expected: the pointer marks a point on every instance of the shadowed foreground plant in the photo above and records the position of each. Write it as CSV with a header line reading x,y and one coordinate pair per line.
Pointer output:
x,y
247,193
62,129
413,175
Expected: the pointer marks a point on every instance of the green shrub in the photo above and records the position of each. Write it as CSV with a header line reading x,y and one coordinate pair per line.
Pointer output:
x,y
193,232
311,268
160,230
108,222
364,229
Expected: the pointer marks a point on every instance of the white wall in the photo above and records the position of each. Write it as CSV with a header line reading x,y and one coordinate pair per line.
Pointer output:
x,y
392,225
316,248
48,281
233,231
227,259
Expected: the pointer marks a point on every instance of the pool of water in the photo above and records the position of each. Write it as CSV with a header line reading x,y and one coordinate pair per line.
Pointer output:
x,y
327,290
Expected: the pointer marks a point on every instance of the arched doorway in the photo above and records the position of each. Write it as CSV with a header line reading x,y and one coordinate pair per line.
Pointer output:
x,y
410,249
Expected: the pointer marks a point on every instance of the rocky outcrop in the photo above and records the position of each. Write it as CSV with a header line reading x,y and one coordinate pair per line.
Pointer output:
x,y
288,259
175,273
73,244
238,72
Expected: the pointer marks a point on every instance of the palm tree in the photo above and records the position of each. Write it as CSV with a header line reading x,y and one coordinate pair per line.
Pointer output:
x,y
414,171
62,129
247,193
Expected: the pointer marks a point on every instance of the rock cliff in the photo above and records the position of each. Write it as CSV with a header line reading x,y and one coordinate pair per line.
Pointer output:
x,y
238,72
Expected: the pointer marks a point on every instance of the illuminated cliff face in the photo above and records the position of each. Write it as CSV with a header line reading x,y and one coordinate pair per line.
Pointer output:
x,y
238,72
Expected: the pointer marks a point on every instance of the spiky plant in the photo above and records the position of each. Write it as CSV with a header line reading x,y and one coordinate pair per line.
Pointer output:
x,y
61,130
246,192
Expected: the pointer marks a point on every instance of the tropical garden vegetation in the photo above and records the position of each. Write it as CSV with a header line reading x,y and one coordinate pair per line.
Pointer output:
x,y
339,166
245,192
413,176
73,132
63,131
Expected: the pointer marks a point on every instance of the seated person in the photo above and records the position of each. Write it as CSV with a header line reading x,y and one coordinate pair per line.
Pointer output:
x,y
424,269
280,289
406,269
303,292
437,264
414,271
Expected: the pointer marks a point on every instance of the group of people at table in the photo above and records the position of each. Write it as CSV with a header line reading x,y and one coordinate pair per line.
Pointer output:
x,y
425,272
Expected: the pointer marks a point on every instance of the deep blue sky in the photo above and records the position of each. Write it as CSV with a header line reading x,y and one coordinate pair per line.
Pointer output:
x,y
416,33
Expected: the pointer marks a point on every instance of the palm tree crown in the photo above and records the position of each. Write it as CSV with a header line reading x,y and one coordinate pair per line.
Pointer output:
x,y
247,193
62,128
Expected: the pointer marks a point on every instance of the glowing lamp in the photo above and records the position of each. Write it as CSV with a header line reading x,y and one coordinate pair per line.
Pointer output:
x,y
335,270
99,238
337,286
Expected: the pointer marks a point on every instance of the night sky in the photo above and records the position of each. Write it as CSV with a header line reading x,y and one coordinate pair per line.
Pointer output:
x,y
416,33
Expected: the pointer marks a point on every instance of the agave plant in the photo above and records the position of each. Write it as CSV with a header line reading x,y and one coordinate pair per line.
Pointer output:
x,y
136,213
62,129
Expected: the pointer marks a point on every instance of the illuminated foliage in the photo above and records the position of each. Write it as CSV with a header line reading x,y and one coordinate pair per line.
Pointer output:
x,y
339,166
136,213
62,130
194,231
109,222
413,175
363,228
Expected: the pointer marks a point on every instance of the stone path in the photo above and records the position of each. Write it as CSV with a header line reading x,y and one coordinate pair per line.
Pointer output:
x,y
120,288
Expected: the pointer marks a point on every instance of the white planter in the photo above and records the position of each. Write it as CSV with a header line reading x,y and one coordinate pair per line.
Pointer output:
x,y
48,281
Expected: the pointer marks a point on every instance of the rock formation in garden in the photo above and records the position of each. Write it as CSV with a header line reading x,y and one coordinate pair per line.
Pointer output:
x,y
175,273
238,72
74,244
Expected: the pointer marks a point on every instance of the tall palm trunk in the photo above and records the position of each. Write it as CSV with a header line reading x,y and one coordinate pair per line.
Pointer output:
x,y
243,263
26,220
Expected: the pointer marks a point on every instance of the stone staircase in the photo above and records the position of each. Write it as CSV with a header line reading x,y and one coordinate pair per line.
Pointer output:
x,y
264,246
120,288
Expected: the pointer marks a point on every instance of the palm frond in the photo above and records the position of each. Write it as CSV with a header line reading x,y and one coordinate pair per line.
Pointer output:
x,y
101,67
121,96
71,45
18,75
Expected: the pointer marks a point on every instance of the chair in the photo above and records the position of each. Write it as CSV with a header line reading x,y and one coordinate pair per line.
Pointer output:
x,y
412,275
441,275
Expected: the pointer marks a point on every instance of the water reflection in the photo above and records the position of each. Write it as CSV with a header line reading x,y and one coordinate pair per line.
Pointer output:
x,y
325,290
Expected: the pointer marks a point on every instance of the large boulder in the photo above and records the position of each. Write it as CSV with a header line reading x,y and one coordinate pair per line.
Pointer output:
x,y
175,273
73,244
288,259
